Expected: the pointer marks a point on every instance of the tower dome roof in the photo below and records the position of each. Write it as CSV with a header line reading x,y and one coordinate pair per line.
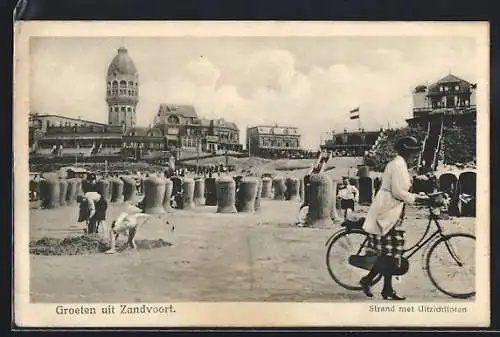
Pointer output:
x,y
122,64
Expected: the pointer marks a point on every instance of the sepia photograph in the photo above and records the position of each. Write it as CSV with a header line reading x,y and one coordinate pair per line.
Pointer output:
x,y
332,168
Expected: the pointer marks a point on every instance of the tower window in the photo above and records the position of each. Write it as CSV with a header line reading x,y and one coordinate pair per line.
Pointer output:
x,y
116,109
129,109
130,92
123,109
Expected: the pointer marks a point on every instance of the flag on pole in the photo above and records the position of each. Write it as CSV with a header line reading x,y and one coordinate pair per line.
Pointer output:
x,y
354,113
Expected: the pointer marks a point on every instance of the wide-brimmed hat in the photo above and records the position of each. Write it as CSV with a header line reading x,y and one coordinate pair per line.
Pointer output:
x,y
407,143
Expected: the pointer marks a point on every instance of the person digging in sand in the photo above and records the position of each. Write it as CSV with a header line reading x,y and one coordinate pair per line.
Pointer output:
x,y
128,223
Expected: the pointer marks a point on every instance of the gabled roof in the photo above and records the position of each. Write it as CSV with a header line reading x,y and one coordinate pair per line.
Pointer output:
x,y
187,111
450,78
464,86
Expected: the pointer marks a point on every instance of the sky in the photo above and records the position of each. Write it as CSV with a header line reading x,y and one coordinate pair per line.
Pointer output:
x,y
308,82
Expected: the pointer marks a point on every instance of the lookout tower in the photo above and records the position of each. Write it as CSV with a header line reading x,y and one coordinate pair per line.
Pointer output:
x,y
122,93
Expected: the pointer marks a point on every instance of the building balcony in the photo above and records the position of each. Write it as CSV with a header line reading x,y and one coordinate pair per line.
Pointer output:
x,y
456,110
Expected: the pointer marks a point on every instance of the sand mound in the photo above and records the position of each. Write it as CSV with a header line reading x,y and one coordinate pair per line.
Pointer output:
x,y
85,244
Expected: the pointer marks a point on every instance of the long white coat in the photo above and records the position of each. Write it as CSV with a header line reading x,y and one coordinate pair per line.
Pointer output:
x,y
387,205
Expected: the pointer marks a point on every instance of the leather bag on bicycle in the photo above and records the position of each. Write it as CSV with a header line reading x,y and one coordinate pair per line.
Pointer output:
x,y
388,264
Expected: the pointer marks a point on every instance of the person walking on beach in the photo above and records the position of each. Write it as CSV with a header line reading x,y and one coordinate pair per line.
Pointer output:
x,y
384,220
348,195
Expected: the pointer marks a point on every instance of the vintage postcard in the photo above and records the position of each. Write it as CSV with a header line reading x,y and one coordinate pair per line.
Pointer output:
x,y
262,174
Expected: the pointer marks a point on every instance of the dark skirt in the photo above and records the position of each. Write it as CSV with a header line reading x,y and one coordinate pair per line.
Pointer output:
x,y
101,207
346,204
391,244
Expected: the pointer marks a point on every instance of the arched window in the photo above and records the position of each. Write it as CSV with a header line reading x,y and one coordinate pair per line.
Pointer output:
x,y
114,86
131,83
123,87
173,119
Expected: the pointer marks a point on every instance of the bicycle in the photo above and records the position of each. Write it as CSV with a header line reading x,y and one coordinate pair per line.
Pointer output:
x,y
432,244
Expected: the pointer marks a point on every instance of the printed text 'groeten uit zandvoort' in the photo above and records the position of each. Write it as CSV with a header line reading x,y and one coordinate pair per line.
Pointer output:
x,y
111,309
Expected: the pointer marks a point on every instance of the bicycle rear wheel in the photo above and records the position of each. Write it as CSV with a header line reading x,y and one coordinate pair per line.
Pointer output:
x,y
450,265
341,247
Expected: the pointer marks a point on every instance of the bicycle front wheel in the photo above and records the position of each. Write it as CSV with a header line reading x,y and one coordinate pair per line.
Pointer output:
x,y
341,247
450,264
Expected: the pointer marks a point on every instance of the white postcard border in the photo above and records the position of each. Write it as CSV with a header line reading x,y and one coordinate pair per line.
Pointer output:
x,y
247,314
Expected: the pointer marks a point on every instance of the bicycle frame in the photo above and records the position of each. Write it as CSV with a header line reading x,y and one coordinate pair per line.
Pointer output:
x,y
425,239
422,242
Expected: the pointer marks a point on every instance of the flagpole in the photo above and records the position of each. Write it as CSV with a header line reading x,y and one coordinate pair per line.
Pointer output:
x,y
359,119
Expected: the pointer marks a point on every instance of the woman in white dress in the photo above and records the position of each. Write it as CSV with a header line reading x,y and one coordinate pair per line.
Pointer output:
x,y
384,219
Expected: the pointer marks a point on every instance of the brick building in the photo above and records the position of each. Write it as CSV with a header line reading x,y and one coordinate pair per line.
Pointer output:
x,y
183,128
